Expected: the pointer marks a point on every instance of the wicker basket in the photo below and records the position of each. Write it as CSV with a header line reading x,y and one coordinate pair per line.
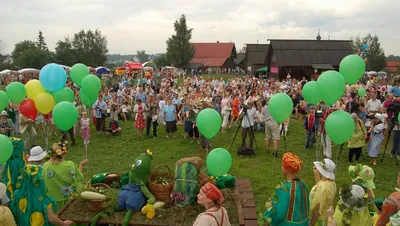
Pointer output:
x,y
204,179
161,191
96,205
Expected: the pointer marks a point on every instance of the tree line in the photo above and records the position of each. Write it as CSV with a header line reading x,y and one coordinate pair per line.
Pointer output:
x,y
90,48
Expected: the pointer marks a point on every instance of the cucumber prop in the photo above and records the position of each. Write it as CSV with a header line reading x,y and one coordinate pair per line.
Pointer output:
x,y
134,196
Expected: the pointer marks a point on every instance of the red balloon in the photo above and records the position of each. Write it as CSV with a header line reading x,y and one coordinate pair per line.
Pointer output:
x,y
28,109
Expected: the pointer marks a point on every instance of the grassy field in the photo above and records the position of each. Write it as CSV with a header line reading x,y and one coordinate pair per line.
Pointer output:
x,y
117,154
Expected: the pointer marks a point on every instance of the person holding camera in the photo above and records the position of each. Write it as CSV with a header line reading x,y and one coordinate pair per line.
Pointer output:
x,y
247,114
100,108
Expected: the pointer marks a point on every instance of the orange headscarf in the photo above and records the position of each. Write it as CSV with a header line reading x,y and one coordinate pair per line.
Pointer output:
x,y
291,162
213,193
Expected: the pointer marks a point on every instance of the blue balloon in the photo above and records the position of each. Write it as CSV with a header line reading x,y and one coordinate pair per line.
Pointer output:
x,y
52,77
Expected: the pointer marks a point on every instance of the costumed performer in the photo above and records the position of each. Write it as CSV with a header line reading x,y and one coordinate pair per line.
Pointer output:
x,y
290,203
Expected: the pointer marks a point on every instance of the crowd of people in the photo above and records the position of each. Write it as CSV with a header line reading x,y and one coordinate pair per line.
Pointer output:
x,y
159,102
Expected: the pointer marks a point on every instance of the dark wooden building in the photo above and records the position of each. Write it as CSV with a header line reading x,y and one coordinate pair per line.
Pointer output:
x,y
255,57
304,58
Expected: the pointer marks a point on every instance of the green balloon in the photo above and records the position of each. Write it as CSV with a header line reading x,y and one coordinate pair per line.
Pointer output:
x,y
65,115
208,122
16,91
3,100
330,86
91,86
310,92
65,94
280,106
352,68
339,126
88,102
219,162
361,92
6,149
78,72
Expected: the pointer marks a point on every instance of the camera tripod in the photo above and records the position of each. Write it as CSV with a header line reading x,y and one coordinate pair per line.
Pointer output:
x,y
396,133
252,136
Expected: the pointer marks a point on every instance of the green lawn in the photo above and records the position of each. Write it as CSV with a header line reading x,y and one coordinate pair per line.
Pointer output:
x,y
117,154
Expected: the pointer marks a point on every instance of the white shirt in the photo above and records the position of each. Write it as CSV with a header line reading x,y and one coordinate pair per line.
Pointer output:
x,y
251,114
373,105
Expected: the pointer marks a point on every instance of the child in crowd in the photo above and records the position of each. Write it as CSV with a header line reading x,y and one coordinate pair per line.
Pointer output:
x,y
225,113
85,130
310,126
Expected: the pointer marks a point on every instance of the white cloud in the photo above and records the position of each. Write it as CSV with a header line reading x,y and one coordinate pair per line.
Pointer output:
x,y
135,25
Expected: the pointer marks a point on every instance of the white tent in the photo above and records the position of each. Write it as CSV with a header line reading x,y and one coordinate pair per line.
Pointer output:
x,y
7,71
28,70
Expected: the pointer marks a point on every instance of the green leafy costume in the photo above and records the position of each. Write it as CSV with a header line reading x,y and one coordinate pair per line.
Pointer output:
x,y
30,202
13,166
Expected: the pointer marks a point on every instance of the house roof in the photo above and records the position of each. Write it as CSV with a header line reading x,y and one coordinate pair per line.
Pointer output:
x,y
213,50
209,62
256,53
308,52
392,65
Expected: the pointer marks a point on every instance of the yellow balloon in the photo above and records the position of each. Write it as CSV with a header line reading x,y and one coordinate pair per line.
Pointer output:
x,y
33,88
44,103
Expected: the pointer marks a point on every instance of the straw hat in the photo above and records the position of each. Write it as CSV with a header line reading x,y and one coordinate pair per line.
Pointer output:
x,y
4,113
326,168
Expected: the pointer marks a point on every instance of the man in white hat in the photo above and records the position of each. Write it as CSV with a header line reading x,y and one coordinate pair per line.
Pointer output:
x,y
323,193
6,124
37,156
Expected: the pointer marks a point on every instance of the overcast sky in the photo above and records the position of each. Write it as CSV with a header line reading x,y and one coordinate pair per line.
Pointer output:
x,y
135,25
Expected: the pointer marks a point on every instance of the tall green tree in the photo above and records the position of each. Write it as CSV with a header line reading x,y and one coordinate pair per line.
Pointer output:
x,y
41,43
142,56
28,54
90,47
162,60
64,53
376,59
179,48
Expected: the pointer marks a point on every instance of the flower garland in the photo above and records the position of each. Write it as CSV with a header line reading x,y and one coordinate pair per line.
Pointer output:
x,y
61,149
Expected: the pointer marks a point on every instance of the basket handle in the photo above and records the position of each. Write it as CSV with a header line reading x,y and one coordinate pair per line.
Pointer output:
x,y
156,167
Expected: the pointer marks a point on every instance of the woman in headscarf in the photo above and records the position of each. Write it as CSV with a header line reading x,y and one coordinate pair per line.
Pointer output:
x,y
30,204
323,193
212,199
61,177
290,204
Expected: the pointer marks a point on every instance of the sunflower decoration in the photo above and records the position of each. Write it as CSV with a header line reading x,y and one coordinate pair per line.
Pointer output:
x,y
59,149
32,169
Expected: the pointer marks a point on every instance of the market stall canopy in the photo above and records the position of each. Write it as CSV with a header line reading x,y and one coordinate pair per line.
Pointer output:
x,y
130,66
148,68
150,64
263,69
28,70
323,66
7,71
102,70
382,73
372,73
170,67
